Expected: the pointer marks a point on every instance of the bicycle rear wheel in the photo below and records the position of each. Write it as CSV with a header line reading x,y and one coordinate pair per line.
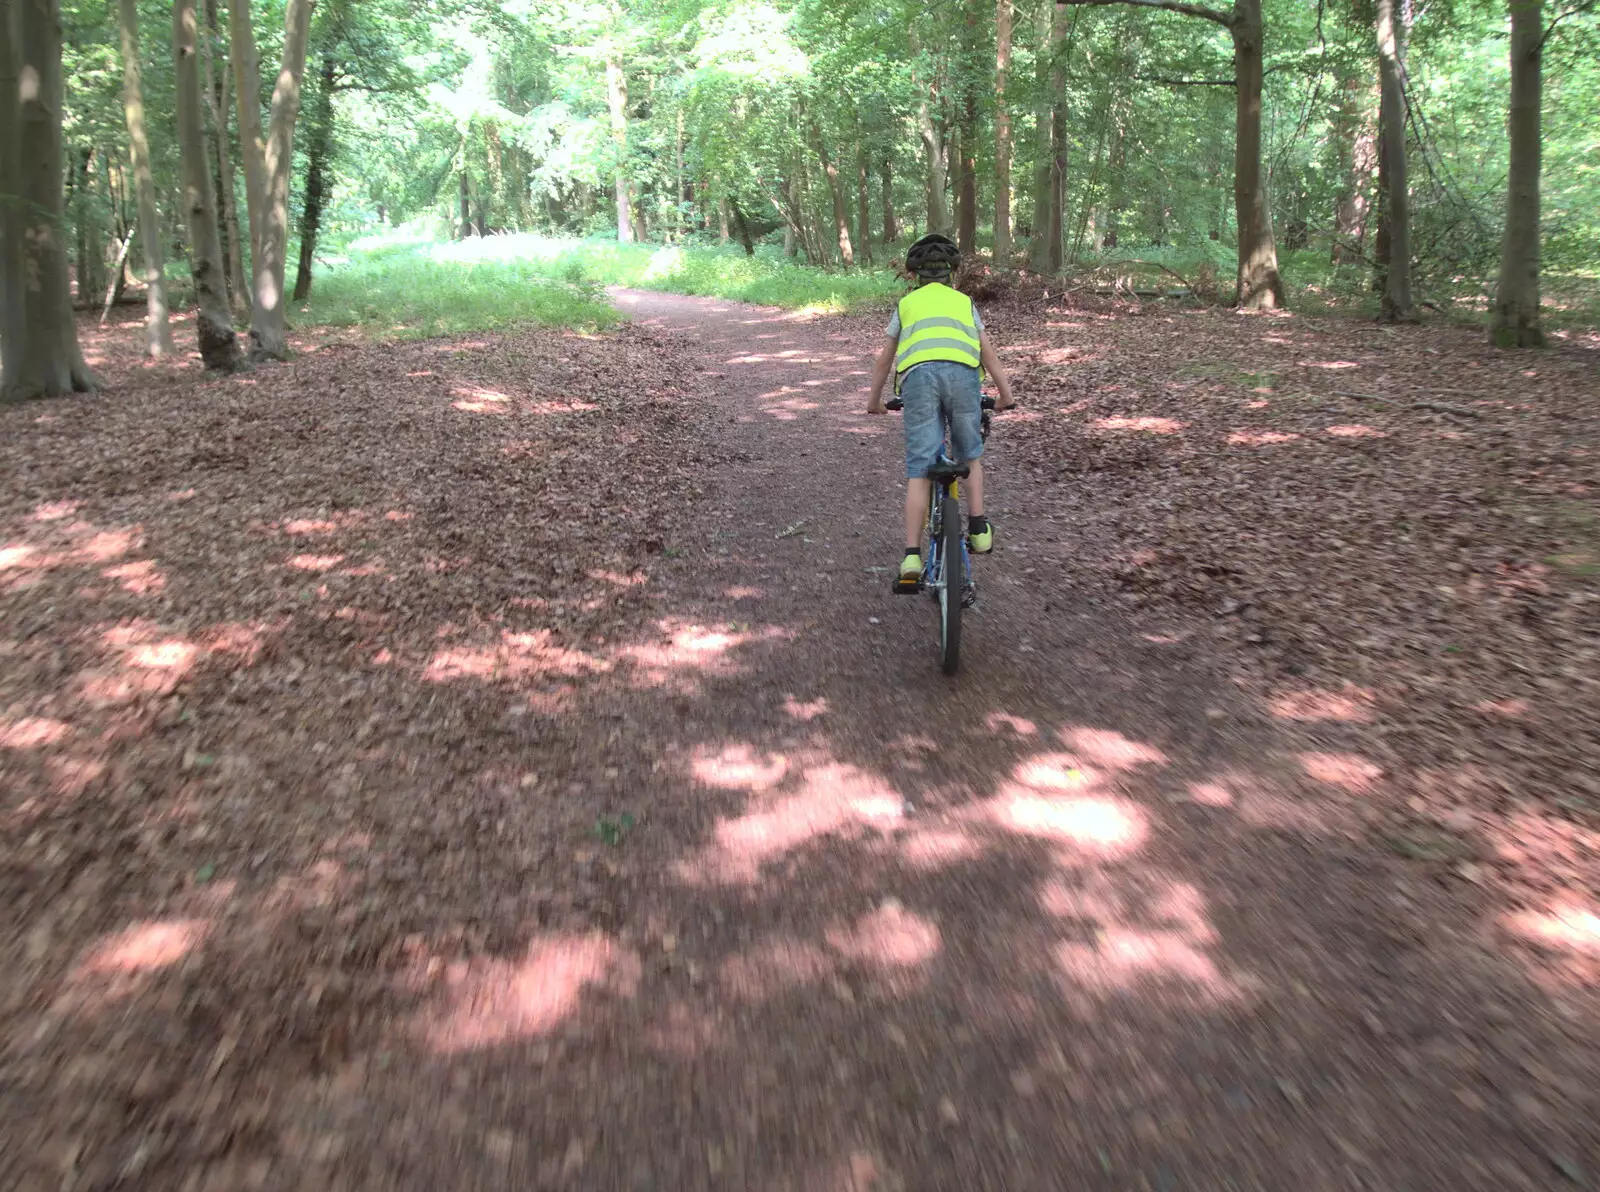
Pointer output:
x,y
952,582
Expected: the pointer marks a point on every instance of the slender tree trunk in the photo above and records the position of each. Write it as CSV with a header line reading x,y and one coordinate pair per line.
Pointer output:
x,y
91,251
219,346
1355,139
218,90
319,147
863,207
1047,27
743,225
1002,133
268,327
677,161
841,222
1397,303
1515,322
42,358
617,98
1260,286
890,232
967,193
247,90
464,201
1055,246
722,220
931,130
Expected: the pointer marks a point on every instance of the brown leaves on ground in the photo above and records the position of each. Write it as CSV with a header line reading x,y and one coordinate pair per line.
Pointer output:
x,y
1394,534
230,610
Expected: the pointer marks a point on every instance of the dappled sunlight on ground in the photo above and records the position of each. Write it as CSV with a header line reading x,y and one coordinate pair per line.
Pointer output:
x,y
496,1002
146,946
1347,770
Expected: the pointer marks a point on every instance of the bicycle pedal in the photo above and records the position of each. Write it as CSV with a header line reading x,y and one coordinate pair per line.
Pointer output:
x,y
969,598
907,587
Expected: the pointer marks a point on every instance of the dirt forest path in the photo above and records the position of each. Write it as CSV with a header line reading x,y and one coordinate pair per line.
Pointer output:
x,y
720,886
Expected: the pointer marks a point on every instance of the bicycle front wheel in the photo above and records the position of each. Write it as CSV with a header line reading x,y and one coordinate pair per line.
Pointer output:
x,y
952,579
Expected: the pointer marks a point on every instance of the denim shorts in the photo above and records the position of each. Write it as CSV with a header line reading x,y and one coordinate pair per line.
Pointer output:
x,y
937,394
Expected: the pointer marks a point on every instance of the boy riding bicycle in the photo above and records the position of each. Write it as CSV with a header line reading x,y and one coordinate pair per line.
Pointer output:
x,y
939,352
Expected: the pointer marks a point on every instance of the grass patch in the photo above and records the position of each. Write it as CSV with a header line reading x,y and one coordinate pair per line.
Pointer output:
x,y
405,285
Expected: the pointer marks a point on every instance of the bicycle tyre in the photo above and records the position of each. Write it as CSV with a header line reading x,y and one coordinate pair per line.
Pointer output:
x,y
950,591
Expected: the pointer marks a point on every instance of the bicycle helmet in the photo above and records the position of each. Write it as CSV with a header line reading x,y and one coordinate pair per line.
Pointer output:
x,y
934,257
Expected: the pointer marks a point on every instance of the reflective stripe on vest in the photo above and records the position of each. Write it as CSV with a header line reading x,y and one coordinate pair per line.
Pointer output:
x,y
936,323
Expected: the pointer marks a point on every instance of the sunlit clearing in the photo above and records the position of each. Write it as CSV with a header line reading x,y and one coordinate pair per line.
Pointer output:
x,y
1357,430
1154,426
167,655
1323,705
1355,774
889,937
831,799
806,710
315,562
1101,825
737,767
514,656
1211,794
146,946
308,525
1260,438
1055,772
1111,748
509,1000
140,578
1564,926
32,732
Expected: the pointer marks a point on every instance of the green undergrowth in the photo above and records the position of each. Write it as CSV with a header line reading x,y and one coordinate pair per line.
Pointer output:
x,y
405,285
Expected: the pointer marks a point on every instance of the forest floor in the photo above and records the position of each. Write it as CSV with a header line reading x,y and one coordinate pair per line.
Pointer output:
x,y
499,763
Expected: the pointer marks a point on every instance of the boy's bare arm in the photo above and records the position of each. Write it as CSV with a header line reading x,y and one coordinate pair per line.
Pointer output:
x,y
880,374
991,365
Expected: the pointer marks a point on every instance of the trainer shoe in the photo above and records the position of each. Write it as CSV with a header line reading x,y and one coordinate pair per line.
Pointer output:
x,y
980,536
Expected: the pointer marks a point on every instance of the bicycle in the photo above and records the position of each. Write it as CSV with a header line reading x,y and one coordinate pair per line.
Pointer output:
x,y
946,542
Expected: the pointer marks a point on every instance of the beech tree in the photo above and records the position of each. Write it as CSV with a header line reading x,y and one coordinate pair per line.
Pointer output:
x,y
1515,319
38,339
158,331
1392,183
219,346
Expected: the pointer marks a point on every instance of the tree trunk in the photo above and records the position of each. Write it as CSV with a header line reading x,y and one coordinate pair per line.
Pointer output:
x,y
617,98
319,147
677,202
464,201
743,225
722,220
930,128
247,93
40,339
840,222
268,326
967,192
1047,26
91,251
1260,287
218,92
1055,245
1515,322
863,207
890,232
219,347
1002,133
1392,185
1355,139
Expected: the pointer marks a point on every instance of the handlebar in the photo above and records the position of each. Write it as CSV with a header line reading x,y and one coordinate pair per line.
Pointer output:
x,y
894,405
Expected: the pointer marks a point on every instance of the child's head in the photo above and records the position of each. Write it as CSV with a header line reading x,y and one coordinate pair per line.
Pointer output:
x,y
933,258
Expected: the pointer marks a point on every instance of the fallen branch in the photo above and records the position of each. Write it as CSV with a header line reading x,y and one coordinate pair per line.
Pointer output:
x,y
1438,407
116,274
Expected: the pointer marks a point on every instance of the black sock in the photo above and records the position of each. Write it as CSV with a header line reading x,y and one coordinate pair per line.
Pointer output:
x,y
913,550
977,524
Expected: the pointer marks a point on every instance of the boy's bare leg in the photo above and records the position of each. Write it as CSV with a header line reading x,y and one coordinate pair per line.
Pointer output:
x,y
918,493
975,488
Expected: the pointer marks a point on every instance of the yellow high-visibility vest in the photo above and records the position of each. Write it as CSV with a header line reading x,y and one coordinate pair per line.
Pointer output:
x,y
936,323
